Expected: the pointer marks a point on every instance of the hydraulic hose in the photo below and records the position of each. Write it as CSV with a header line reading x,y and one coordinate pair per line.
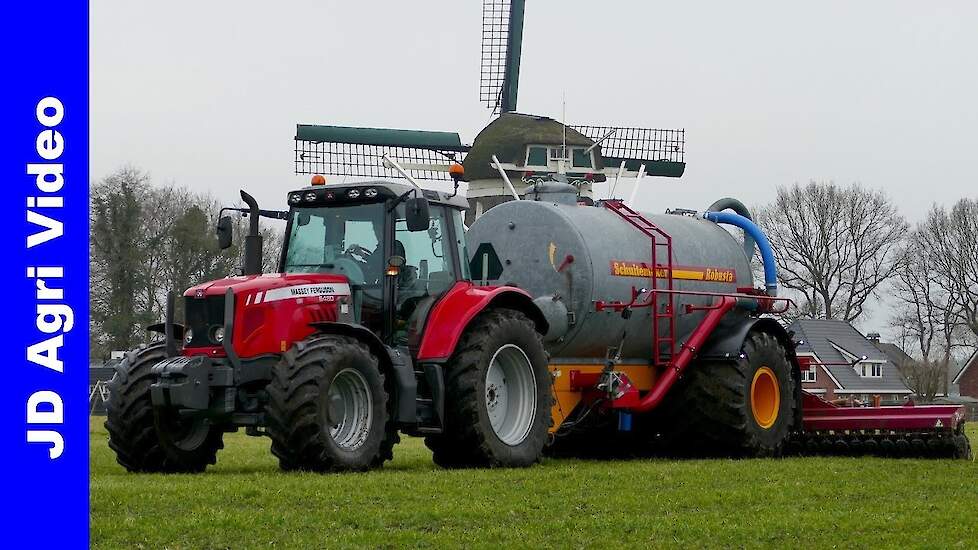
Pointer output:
x,y
767,254
729,203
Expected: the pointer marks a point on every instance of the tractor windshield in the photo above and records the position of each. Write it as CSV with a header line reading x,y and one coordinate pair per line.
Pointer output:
x,y
346,240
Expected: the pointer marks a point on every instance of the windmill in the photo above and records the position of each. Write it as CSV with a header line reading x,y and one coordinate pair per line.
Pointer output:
x,y
512,152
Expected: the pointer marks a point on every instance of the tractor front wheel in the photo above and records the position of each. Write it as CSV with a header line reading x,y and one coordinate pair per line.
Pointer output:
x,y
328,407
498,395
154,440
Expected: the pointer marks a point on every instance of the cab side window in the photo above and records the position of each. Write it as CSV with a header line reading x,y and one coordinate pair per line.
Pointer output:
x,y
428,267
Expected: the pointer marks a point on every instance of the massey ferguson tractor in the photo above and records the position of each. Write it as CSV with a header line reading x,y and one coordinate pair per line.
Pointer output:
x,y
550,323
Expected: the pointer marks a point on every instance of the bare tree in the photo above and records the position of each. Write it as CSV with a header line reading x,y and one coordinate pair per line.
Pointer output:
x,y
273,237
948,243
925,378
159,212
923,309
834,245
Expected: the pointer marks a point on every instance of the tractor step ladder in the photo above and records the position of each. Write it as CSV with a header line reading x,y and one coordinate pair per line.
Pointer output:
x,y
661,245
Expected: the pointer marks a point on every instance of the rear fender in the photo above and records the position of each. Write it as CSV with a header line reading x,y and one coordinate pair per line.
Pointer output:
x,y
728,342
462,303
395,365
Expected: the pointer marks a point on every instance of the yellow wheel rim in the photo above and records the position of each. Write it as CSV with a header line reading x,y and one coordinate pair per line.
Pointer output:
x,y
765,397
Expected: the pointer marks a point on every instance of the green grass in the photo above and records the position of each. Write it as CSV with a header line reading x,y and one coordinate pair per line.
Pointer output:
x,y
246,502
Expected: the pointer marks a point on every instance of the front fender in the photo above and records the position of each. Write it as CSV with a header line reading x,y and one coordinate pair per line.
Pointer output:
x,y
453,313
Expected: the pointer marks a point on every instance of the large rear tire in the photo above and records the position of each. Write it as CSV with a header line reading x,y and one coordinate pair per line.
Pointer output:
x,y
152,440
498,395
328,407
744,407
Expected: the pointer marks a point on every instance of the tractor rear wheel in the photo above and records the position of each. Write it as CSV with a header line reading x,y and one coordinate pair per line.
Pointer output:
x,y
328,407
498,395
154,440
744,407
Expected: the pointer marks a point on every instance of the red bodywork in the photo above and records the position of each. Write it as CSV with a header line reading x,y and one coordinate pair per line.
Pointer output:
x,y
452,314
265,321
820,415
270,314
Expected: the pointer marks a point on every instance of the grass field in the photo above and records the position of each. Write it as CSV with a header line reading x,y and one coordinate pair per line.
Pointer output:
x,y
245,502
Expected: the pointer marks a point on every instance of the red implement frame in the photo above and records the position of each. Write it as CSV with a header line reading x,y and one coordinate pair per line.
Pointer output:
x,y
820,415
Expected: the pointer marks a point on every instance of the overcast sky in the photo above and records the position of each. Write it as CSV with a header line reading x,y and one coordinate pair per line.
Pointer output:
x,y
207,94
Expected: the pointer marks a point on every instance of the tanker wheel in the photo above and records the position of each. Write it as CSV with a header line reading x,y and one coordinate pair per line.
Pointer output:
x,y
744,407
152,440
328,407
498,395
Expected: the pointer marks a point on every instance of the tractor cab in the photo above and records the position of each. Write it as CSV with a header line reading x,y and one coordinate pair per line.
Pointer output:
x,y
399,247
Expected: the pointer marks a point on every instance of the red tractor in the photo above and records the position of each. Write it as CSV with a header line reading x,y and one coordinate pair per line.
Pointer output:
x,y
371,327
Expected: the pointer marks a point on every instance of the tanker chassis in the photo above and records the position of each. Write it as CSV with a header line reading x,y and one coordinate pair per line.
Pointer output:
x,y
547,324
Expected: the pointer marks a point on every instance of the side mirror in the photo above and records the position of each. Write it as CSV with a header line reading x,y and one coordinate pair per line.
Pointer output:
x,y
224,232
416,214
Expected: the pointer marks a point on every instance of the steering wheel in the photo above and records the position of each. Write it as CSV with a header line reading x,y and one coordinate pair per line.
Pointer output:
x,y
357,253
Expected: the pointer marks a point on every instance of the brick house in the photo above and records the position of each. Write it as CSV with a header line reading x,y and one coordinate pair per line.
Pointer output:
x,y
967,377
838,362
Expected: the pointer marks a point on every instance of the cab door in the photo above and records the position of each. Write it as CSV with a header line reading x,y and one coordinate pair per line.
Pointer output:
x,y
431,267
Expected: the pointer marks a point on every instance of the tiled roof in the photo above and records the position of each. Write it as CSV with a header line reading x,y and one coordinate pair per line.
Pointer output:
x,y
819,335
893,352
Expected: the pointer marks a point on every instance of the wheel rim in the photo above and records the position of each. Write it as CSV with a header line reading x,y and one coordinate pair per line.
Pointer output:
x,y
765,397
349,409
511,394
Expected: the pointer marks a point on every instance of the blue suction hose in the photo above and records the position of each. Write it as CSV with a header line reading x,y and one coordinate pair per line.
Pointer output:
x,y
767,254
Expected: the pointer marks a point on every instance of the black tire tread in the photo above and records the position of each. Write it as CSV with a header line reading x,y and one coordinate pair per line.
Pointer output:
x,y
709,410
130,420
292,410
464,444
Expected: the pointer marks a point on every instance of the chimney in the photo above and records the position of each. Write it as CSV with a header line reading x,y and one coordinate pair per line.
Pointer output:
x,y
873,337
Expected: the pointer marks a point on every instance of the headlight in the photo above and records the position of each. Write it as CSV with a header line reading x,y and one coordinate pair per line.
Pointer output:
x,y
310,196
219,335
188,337
353,193
295,198
370,193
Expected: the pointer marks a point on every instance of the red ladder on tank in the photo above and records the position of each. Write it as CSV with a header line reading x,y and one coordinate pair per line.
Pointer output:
x,y
660,240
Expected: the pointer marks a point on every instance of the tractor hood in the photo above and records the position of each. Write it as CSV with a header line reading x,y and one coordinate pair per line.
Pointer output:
x,y
275,286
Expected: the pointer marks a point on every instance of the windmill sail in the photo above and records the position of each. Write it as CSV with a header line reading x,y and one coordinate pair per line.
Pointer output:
x,y
349,151
661,151
502,39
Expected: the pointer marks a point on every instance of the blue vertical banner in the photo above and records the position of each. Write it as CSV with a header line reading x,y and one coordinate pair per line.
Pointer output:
x,y
44,170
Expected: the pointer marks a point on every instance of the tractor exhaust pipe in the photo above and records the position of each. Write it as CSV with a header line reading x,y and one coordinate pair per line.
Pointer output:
x,y
253,242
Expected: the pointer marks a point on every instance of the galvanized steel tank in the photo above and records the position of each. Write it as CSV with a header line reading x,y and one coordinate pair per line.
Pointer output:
x,y
570,256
